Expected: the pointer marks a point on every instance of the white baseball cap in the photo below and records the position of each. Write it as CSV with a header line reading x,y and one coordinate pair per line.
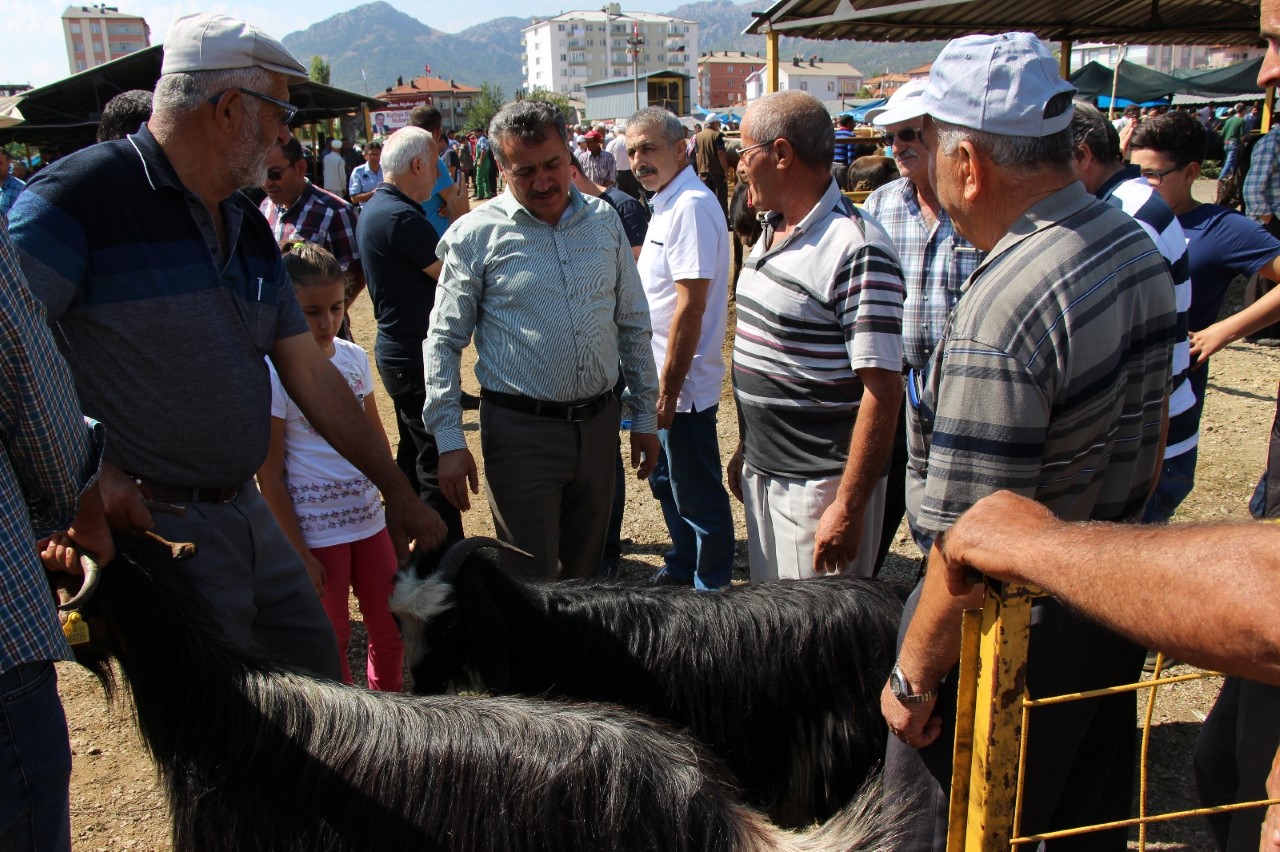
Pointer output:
x,y
209,42
903,105
999,84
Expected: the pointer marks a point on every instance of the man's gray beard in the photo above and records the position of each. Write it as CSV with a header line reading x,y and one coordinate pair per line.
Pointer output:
x,y
246,161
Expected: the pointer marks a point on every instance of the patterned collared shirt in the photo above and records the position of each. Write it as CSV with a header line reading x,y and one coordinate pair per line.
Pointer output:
x,y
51,456
318,216
935,264
1051,376
601,168
1262,183
10,189
552,308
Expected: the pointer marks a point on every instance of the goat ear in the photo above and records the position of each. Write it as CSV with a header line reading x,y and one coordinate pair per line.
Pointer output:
x,y
489,639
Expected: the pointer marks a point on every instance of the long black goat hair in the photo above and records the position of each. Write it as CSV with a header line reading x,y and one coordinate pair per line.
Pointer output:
x,y
258,757
780,680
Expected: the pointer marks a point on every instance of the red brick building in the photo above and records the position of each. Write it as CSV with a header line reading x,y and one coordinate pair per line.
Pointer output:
x,y
722,77
445,95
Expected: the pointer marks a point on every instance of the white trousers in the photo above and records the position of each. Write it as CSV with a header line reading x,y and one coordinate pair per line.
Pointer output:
x,y
782,520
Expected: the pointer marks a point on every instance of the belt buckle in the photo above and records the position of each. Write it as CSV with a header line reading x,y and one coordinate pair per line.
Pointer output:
x,y
572,411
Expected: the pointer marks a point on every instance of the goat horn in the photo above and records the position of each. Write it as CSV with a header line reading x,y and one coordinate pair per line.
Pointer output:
x,y
453,558
91,574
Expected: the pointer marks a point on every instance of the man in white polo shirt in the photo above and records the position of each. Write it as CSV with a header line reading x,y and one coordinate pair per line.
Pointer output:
x,y
684,266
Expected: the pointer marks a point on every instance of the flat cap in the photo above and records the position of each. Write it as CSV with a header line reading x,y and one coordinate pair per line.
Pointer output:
x,y
210,42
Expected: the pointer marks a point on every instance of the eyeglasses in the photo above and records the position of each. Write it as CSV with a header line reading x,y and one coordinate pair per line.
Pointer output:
x,y
742,151
906,134
288,110
1157,178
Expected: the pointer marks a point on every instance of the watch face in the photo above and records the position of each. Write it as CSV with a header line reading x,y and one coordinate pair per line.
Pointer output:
x,y
898,684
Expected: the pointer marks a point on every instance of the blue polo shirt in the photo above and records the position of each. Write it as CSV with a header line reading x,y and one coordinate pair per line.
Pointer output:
x,y
165,338
433,204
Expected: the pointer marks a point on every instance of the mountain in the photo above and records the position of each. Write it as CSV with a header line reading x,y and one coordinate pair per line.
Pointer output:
x,y
368,47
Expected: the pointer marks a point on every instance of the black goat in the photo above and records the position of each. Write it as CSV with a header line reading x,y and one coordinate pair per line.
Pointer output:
x,y
259,758
782,681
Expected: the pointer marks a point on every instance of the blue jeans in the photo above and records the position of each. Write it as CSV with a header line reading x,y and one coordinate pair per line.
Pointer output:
x,y
35,761
688,484
1177,478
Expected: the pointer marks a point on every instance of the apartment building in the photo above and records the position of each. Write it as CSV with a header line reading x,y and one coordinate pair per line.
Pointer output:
x,y
722,77
98,34
1165,58
826,81
565,53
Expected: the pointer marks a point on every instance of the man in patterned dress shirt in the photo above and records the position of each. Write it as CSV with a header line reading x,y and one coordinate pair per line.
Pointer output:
x,y
545,280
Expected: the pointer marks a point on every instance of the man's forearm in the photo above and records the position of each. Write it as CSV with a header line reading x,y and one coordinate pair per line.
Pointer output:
x,y
682,344
932,643
1204,593
872,439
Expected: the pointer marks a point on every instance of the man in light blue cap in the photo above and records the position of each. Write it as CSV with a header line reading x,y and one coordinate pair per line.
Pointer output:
x,y
1051,381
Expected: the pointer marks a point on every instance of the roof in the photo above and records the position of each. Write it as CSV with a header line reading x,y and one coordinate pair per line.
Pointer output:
x,y
614,80
888,78
428,86
735,57
1118,21
919,70
820,69
593,15
97,12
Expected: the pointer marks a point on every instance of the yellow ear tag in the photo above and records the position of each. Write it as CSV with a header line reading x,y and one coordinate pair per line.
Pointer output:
x,y
75,629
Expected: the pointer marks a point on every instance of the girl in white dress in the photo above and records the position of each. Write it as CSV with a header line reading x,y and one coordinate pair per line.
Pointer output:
x,y
329,510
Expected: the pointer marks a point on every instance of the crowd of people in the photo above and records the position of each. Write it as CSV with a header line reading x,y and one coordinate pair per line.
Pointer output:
x,y
1029,308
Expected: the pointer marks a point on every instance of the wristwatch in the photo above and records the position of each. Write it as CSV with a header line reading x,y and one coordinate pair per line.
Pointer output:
x,y
901,689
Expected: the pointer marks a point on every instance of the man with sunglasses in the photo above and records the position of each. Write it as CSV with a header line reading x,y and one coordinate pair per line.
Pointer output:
x,y
936,261
297,208
817,357
165,306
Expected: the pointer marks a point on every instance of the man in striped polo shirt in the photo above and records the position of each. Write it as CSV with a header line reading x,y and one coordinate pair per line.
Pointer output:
x,y
1103,173
1051,382
817,358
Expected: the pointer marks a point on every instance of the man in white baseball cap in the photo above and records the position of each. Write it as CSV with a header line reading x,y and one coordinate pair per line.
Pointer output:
x,y
936,261
167,288
1049,380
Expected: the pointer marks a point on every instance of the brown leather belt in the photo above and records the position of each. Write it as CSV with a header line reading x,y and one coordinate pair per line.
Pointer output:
x,y
183,494
574,412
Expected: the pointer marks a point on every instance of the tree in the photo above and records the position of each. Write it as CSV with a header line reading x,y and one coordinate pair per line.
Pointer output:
x,y
559,101
482,108
319,70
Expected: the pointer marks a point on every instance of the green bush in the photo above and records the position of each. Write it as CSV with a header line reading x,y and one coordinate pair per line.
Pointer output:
x,y
1211,169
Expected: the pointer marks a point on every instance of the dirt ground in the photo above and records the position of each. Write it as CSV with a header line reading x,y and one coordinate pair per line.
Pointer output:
x,y
116,802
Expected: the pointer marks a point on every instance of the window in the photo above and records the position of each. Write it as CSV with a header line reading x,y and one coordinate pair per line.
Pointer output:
x,y
75,29
95,28
121,29
804,87
560,27
730,69
79,64
97,47
122,46
831,87
78,47
564,57
577,87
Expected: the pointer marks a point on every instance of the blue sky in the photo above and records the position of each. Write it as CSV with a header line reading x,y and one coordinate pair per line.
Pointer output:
x,y
34,50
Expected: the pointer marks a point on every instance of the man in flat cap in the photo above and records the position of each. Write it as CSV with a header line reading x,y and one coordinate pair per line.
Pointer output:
x,y
165,307
1051,381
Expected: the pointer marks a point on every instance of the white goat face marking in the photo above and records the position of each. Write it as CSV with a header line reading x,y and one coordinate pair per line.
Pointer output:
x,y
417,601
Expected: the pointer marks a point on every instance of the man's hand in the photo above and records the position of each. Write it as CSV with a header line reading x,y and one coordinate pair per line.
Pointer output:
x,y
409,520
88,533
122,501
457,472
733,473
914,724
992,537
644,453
835,543
666,409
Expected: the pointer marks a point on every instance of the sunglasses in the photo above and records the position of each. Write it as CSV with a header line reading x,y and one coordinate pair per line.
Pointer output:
x,y
287,110
906,134
274,174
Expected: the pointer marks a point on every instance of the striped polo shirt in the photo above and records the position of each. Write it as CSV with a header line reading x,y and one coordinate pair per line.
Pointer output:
x,y
1138,198
813,309
165,339
1051,377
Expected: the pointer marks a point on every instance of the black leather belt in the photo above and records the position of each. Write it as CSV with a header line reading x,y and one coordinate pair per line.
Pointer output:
x,y
183,494
574,412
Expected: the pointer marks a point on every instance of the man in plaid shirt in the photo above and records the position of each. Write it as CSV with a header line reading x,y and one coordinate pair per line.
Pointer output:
x,y
297,208
49,469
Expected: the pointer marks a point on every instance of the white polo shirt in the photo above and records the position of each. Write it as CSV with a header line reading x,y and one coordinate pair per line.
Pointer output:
x,y
618,148
688,238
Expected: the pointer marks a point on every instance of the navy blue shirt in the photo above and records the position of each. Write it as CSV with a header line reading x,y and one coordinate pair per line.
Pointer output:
x,y
396,243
